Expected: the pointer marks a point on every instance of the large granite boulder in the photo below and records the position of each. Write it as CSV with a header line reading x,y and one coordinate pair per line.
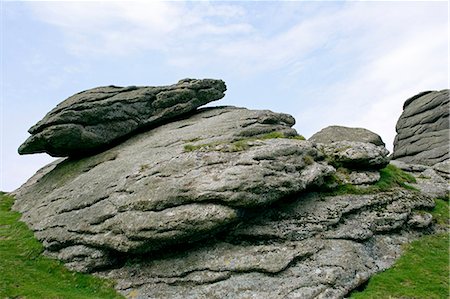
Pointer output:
x,y
423,133
91,120
340,133
177,183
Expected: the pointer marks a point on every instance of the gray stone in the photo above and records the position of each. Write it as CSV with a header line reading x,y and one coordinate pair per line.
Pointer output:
x,y
93,119
359,155
313,247
408,167
339,133
153,190
443,169
429,180
423,132
358,177
431,183
420,220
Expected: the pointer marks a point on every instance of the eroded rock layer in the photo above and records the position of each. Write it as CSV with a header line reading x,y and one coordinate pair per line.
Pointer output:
x,y
423,132
91,120
315,246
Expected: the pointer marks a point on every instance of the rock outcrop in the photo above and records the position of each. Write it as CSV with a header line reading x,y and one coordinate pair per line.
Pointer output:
x,y
355,155
340,133
93,119
423,133
154,190
225,203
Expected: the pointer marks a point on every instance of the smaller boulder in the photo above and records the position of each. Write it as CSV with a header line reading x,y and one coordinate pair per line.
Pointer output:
x,y
91,120
359,177
355,155
339,133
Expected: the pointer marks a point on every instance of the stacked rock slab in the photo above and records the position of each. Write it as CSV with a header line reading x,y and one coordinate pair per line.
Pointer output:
x,y
91,120
423,132
214,206
314,246
356,153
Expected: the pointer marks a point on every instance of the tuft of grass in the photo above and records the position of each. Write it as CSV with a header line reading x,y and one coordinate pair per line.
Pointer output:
x,y
274,135
238,146
421,272
309,160
297,137
191,147
390,177
441,212
26,273
144,167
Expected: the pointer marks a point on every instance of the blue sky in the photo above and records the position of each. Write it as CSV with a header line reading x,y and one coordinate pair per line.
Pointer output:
x,y
324,62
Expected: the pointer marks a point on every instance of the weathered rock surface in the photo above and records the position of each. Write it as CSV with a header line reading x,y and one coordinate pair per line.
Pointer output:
x,y
432,181
423,133
340,133
358,177
93,119
355,155
315,246
153,191
443,169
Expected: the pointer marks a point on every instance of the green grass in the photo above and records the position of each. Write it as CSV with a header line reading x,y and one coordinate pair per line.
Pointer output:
x,y
241,144
25,273
421,272
390,177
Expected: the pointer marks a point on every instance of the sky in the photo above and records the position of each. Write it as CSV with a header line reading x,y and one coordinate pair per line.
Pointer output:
x,y
324,62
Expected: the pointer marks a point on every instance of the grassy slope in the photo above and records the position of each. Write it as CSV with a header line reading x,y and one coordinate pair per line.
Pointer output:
x,y
421,272
25,273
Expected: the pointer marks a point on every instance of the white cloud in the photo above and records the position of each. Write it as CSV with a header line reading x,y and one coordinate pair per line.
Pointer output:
x,y
127,27
361,60
390,51
397,62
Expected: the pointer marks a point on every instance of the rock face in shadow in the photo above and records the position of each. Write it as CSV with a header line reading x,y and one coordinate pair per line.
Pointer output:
x,y
423,133
93,119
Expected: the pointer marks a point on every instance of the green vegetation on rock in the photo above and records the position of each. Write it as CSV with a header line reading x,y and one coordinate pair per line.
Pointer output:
x,y
238,145
390,177
26,273
421,272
